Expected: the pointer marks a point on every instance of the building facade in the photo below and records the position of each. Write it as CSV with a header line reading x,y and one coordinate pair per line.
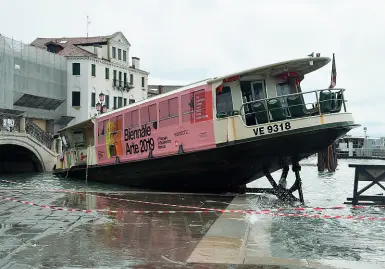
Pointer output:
x,y
33,83
98,65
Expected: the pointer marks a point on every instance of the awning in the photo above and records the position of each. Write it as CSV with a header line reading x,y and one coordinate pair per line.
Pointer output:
x,y
64,120
77,126
11,112
28,100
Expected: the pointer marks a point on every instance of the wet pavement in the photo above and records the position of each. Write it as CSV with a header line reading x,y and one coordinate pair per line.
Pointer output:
x,y
36,237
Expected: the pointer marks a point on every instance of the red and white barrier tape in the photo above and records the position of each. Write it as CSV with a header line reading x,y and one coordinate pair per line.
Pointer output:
x,y
220,210
212,209
195,211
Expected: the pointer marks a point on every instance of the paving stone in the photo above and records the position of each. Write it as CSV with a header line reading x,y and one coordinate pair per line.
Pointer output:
x,y
42,226
26,236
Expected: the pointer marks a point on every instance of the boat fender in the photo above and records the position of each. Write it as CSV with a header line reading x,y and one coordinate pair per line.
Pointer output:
x,y
117,160
150,156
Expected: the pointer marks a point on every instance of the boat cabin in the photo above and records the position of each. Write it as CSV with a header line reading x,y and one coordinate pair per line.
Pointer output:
x,y
76,145
273,93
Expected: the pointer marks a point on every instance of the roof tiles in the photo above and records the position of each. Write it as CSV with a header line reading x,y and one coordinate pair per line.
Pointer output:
x,y
70,44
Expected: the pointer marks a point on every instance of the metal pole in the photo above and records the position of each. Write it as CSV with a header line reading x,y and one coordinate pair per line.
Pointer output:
x,y
318,103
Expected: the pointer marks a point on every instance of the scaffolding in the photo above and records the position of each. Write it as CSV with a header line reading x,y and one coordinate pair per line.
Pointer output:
x,y
26,69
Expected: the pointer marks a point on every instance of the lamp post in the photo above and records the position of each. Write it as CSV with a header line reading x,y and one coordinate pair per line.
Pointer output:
x,y
101,106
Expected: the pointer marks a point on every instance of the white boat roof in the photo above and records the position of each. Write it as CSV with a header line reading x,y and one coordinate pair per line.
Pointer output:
x,y
302,66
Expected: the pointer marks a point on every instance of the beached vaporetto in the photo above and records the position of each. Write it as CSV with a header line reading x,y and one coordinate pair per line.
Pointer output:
x,y
214,135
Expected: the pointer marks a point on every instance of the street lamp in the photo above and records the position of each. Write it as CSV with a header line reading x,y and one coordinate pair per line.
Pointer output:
x,y
100,106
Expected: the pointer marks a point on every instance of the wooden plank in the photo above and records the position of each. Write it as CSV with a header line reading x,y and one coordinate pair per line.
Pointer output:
x,y
369,198
367,165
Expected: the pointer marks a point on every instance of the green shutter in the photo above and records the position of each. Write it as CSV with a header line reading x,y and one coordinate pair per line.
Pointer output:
x,y
76,69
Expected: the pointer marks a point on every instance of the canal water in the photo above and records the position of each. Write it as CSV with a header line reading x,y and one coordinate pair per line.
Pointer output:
x,y
35,237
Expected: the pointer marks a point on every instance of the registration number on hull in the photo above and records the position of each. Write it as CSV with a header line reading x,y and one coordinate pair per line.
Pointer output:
x,y
272,128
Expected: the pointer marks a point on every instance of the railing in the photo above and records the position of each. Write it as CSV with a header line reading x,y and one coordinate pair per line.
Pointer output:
x,y
375,152
12,123
34,130
122,83
291,106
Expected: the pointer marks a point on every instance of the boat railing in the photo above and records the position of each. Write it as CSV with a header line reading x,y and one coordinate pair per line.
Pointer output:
x,y
291,106
356,151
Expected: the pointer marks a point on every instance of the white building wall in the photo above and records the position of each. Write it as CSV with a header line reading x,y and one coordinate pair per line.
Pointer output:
x,y
119,42
78,83
88,84
140,92
105,52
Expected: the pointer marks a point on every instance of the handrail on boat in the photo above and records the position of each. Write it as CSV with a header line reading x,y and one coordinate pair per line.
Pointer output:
x,y
291,106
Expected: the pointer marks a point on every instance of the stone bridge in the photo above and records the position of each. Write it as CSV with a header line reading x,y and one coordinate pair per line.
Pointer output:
x,y
26,148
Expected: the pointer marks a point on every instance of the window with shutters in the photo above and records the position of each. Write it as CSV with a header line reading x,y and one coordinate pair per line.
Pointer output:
x,y
76,69
107,101
75,98
93,98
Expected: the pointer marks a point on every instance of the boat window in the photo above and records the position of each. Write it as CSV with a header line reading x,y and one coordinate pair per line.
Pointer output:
x,y
187,102
131,119
144,115
127,120
102,128
153,114
168,112
135,118
258,90
102,131
224,101
247,96
283,89
119,123
117,147
113,123
148,115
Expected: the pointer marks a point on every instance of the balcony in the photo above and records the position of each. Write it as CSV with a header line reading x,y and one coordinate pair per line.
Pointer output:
x,y
122,85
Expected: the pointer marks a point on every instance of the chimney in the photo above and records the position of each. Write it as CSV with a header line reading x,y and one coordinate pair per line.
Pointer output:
x,y
98,51
135,62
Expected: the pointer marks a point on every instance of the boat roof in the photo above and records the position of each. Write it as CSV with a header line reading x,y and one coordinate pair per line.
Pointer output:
x,y
81,124
301,66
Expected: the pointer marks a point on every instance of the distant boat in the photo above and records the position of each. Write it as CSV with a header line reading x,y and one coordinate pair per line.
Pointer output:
x,y
218,134
358,147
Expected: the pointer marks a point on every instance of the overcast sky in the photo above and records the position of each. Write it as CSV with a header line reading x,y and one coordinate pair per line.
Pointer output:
x,y
183,41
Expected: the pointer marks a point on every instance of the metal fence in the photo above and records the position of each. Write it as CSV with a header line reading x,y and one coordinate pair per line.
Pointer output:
x,y
356,152
291,106
34,130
